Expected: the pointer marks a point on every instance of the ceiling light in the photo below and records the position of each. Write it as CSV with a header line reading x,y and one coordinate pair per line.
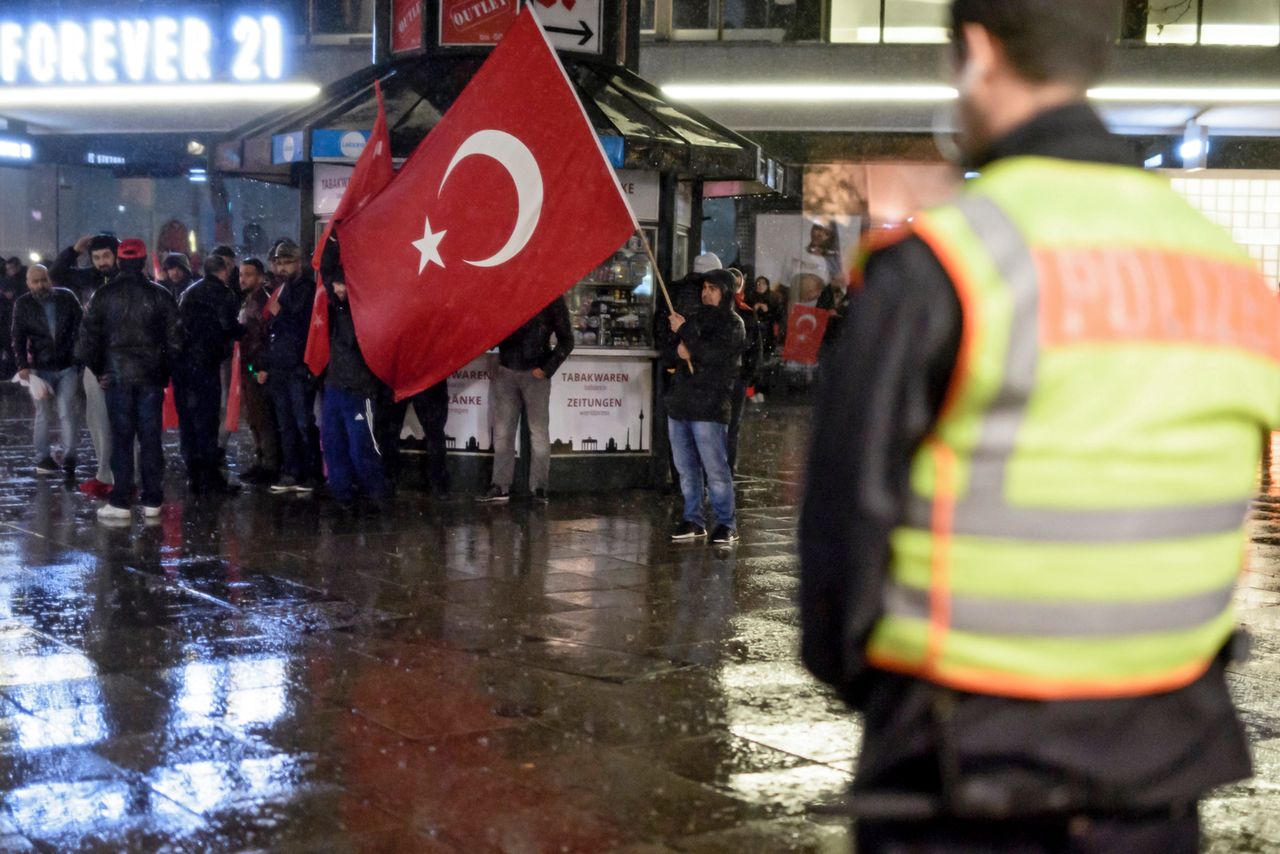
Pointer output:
x,y
930,93
179,96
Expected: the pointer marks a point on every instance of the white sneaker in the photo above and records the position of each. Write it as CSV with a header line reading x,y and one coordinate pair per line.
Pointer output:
x,y
151,512
110,512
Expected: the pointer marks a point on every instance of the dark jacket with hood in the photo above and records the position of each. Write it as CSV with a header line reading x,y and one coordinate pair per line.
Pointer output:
x,y
84,281
33,345
530,347
347,368
210,327
885,392
714,337
131,333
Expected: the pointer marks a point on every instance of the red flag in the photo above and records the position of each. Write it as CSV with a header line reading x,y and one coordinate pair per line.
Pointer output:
x,y
805,328
461,249
373,172
169,411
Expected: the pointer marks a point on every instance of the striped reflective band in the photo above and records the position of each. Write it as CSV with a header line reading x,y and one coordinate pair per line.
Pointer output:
x,y
983,510
1063,619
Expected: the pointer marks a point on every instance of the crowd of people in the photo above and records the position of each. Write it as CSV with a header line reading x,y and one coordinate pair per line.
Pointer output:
x,y
103,342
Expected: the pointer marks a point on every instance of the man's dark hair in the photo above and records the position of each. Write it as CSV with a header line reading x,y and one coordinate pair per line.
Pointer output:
x,y
256,263
104,241
224,250
216,265
1045,40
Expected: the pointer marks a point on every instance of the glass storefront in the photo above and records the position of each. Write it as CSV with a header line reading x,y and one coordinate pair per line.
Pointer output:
x,y
613,305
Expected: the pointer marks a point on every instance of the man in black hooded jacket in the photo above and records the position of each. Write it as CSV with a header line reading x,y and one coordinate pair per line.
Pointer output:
x,y
706,357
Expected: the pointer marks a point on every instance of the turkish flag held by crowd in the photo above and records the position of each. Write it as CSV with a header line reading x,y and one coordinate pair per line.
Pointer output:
x,y
805,328
373,171
507,203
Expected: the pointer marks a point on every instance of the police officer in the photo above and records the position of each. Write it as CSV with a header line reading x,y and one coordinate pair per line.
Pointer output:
x,y
1029,476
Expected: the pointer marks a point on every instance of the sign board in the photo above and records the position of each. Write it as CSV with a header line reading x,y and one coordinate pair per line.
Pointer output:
x,y
329,144
600,405
112,48
286,147
642,192
470,424
572,24
329,182
16,150
406,25
475,22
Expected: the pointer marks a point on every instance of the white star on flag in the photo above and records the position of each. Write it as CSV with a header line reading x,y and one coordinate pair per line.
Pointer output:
x,y
428,246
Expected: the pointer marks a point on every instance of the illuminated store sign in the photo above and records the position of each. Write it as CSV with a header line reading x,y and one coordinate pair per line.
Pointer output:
x,y
15,149
160,49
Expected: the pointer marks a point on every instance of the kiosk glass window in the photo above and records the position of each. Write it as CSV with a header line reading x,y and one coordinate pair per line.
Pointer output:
x,y
1241,22
905,21
613,306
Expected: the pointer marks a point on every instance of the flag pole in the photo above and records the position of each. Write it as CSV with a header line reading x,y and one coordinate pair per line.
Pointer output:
x,y
662,286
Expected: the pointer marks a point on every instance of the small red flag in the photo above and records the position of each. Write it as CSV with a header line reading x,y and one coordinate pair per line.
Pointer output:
x,y
374,171
169,411
506,204
232,421
805,328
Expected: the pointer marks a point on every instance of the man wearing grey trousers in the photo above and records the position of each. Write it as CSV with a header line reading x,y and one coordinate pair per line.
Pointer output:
x,y
526,362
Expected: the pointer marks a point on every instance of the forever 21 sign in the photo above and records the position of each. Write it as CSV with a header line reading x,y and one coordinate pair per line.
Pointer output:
x,y
160,49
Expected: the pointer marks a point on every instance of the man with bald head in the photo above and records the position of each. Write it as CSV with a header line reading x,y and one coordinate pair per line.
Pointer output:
x,y
46,322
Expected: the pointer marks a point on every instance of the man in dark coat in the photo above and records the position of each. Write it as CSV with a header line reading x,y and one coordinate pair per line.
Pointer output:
x,y
289,383
46,323
13,284
208,311
706,360
751,353
176,269
253,345
130,339
84,281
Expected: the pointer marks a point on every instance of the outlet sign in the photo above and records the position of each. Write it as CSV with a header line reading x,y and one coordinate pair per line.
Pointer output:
x,y
106,50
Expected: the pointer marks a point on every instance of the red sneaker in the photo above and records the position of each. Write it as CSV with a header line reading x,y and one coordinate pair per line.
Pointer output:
x,y
95,488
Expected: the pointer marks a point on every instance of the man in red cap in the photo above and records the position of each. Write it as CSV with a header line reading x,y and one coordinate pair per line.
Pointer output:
x,y
130,339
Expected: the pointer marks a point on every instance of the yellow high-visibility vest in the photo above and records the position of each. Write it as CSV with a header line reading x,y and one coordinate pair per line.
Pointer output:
x,y
1076,521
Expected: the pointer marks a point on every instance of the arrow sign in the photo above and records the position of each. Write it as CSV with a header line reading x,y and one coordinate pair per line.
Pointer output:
x,y
583,30
573,26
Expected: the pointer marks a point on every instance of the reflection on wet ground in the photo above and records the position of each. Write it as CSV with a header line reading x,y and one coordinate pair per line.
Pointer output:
x,y
262,673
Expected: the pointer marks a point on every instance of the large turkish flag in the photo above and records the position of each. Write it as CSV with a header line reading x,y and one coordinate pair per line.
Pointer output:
x,y
507,203
373,172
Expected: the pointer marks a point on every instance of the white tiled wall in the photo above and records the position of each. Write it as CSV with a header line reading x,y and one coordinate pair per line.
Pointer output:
x,y
1247,204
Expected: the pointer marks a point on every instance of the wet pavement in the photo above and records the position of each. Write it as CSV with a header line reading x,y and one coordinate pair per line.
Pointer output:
x,y
263,673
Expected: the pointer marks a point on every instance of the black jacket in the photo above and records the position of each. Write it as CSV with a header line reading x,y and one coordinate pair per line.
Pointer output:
x,y
686,295
33,346
714,337
131,333
287,331
82,280
874,407
752,344
209,312
347,368
530,347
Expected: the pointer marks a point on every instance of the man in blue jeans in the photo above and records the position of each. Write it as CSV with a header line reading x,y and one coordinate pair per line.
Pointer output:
x,y
130,339
46,321
705,352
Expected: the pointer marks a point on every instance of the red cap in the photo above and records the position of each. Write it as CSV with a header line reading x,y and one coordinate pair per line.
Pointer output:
x,y
131,249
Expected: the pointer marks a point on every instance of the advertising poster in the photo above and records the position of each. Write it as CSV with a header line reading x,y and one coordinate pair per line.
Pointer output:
x,y
475,22
470,424
406,26
601,406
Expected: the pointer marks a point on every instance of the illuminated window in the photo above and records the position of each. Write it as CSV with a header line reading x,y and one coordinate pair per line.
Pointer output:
x,y
913,21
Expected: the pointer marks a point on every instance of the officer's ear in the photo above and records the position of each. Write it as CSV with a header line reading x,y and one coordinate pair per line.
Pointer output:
x,y
979,54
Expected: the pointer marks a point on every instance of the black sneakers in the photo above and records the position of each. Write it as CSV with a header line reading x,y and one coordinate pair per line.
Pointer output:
x,y
724,535
687,530
495,495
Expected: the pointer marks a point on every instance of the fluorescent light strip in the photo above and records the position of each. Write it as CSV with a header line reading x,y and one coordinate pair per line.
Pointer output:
x,y
870,93
176,96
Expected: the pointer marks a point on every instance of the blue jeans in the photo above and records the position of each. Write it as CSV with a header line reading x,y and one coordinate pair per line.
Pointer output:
x,y
293,401
136,412
350,449
698,446
66,386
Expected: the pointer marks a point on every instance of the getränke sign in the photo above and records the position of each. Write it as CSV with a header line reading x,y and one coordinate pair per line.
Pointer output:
x,y
128,49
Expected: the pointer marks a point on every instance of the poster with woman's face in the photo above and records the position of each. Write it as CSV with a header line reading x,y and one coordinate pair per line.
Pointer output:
x,y
804,253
